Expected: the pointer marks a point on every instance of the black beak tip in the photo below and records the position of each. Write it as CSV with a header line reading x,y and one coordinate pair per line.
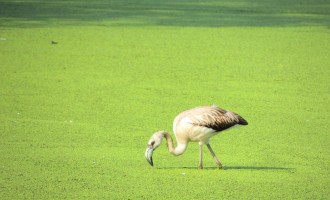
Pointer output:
x,y
150,161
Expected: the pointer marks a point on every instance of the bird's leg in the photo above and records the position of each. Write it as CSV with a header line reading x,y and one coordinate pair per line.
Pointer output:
x,y
200,166
217,161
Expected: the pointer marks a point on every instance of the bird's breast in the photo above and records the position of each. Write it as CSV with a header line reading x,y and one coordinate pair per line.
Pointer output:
x,y
190,132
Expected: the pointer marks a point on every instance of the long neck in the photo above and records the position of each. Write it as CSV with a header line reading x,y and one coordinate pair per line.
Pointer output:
x,y
178,150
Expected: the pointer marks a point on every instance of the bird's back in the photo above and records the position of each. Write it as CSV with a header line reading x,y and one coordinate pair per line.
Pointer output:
x,y
206,119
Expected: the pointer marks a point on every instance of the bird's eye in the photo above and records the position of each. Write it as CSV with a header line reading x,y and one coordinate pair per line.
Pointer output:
x,y
152,143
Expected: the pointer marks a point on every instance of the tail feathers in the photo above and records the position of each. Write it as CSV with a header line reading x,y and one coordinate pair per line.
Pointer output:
x,y
237,119
242,121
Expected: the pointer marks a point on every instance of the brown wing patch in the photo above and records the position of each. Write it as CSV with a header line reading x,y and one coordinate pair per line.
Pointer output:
x,y
217,119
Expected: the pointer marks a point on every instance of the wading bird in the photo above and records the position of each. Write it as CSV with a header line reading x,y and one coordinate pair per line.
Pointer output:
x,y
195,125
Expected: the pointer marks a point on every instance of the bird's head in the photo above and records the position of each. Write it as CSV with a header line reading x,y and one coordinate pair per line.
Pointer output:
x,y
154,142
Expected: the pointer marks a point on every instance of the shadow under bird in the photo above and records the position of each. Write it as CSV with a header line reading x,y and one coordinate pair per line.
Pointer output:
x,y
195,125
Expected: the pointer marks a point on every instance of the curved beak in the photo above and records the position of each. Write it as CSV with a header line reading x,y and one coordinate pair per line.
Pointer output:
x,y
148,155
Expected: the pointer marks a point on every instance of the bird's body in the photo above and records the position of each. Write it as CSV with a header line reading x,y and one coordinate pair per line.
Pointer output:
x,y
201,123
195,125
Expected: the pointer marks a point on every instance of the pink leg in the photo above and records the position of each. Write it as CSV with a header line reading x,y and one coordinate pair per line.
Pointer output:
x,y
200,166
217,161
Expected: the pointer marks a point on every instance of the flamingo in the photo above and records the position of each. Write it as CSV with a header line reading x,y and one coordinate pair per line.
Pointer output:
x,y
195,125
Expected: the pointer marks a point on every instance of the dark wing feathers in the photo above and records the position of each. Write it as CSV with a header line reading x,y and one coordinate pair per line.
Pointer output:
x,y
241,120
217,119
